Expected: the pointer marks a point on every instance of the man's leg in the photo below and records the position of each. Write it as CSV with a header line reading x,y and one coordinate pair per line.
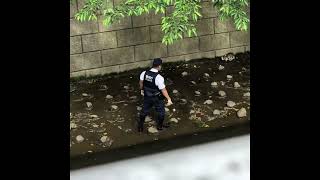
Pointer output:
x,y
159,106
147,105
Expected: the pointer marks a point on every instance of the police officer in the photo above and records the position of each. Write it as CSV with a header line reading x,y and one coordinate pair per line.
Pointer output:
x,y
153,89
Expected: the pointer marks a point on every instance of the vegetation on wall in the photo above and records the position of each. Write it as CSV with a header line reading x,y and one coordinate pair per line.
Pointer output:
x,y
182,20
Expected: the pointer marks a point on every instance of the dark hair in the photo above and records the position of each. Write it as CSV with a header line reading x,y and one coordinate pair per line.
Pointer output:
x,y
156,62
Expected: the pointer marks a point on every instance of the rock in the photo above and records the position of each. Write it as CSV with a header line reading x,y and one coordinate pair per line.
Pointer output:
x,y
93,116
128,130
174,110
184,73
126,87
214,84
139,108
231,103
206,75
197,92
174,120
242,113
229,76
133,97
192,111
221,67
222,83
216,112
183,101
114,107
208,101
79,138
148,119
119,127
89,151
85,95
222,93
89,104
109,96
175,91
166,109
73,125
152,130
246,94
193,82
95,125
104,139
236,85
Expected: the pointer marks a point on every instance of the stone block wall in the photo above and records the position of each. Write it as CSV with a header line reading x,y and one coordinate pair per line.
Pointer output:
x,y
135,41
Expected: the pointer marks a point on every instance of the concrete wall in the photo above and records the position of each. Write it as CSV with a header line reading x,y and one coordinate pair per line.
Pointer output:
x,y
134,41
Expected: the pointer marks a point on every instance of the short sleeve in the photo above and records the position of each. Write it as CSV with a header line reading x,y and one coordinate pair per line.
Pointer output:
x,y
160,82
142,75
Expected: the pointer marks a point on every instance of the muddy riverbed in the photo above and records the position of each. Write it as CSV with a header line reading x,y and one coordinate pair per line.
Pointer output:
x,y
207,94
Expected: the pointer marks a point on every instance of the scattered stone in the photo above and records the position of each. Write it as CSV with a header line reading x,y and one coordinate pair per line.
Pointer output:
x,y
174,110
152,130
236,85
222,93
139,108
89,104
221,67
222,83
104,139
184,73
183,101
93,116
89,151
197,92
175,91
104,87
133,97
79,138
242,113
119,127
126,87
95,125
206,75
73,126
192,111
228,57
231,103
166,109
229,77
208,101
174,120
193,82
109,96
216,112
128,130
214,84
148,119
114,107
85,95
246,94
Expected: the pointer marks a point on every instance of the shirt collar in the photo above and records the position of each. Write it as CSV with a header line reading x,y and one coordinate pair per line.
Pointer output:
x,y
154,70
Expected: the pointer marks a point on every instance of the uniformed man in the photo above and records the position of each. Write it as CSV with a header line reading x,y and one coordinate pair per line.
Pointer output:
x,y
154,91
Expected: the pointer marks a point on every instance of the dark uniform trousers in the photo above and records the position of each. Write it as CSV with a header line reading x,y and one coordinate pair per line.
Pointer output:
x,y
148,103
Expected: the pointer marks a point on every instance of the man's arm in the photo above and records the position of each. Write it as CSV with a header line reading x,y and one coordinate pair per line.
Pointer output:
x,y
141,85
141,82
